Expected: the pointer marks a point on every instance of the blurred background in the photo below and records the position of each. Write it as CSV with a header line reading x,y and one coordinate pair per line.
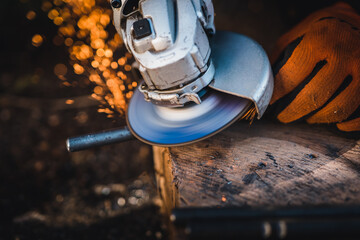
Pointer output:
x,y
64,72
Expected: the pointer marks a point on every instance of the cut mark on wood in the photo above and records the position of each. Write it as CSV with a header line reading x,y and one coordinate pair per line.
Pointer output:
x,y
250,178
271,157
229,188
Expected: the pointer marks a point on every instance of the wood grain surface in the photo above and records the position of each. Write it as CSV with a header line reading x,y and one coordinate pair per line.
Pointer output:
x,y
263,165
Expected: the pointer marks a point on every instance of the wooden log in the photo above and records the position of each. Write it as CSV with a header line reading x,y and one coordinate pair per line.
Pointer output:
x,y
266,164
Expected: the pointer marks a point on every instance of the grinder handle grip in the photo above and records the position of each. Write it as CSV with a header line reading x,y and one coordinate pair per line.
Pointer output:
x,y
92,140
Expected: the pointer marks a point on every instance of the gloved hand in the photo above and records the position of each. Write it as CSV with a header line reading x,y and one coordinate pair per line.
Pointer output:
x,y
318,75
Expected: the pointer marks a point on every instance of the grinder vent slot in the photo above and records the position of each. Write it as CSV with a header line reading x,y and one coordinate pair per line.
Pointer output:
x,y
130,7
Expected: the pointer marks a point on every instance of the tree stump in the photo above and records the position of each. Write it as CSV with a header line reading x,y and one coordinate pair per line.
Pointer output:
x,y
266,164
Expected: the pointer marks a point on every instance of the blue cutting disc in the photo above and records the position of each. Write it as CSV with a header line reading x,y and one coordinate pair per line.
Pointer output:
x,y
164,126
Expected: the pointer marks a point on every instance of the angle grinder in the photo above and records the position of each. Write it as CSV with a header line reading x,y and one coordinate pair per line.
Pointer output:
x,y
196,80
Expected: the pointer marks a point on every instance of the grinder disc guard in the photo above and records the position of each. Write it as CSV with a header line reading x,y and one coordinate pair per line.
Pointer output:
x,y
165,126
243,77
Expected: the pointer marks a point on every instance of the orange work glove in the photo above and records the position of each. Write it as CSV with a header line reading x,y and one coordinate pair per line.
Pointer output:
x,y
317,67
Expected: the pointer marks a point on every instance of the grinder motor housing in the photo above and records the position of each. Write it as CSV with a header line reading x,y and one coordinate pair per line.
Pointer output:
x,y
169,40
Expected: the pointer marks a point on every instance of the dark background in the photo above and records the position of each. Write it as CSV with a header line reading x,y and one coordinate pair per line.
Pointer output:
x,y
47,193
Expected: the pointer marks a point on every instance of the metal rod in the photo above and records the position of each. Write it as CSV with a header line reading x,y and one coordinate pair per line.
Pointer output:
x,y
184,215
290,229
92,140
288,223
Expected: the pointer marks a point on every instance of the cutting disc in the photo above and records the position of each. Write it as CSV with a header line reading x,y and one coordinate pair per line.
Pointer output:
x,y
164,126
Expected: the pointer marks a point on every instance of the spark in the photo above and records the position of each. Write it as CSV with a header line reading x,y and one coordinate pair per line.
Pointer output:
x,y
37,40
69,101
94,51
31,15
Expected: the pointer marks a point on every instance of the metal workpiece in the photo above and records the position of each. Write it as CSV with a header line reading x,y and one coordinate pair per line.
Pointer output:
x,y
92,140
242,69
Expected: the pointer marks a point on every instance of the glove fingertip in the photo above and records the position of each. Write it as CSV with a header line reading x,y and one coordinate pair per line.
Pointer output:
x,y
349,126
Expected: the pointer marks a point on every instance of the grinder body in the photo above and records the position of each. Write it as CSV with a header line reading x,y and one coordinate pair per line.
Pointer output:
x,y
195,82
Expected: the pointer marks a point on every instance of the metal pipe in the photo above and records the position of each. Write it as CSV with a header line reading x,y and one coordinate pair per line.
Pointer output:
x,y
290,229
92,140
182,216
288,223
